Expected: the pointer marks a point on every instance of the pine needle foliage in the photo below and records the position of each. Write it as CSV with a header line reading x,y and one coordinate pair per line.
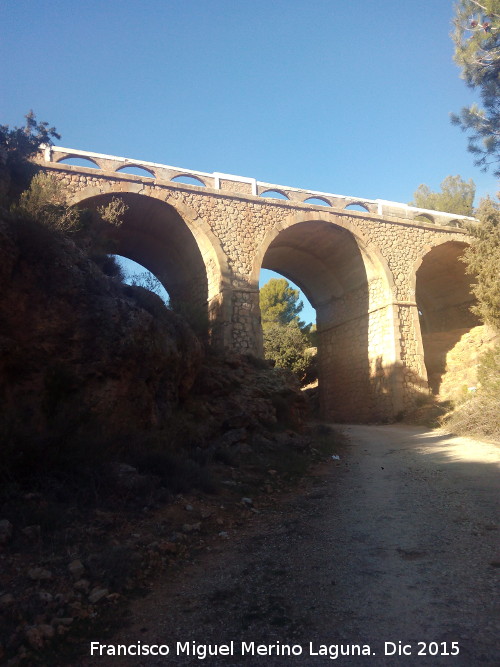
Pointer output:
x,y
477,52
279,303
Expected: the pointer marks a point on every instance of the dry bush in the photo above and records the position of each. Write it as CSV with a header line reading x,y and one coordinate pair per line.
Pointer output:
x,y
45,201
479,415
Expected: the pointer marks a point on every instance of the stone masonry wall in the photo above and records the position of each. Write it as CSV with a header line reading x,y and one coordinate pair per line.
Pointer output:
x,y
358,366
237,227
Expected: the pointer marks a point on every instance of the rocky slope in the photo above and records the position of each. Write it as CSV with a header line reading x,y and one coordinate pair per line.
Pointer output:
x,y
111,409
462,362
82,355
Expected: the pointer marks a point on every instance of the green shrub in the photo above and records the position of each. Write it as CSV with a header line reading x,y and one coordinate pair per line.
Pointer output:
x,y
286,345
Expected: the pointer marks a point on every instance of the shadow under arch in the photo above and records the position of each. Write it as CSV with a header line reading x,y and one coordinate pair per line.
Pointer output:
x,y
444,298
164,240
349,285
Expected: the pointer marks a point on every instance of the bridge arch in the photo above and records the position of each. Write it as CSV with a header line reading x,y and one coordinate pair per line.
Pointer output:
x,y
170,241
349,284
444,298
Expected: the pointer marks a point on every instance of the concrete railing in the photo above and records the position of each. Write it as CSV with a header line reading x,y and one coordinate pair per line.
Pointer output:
x,y
250,186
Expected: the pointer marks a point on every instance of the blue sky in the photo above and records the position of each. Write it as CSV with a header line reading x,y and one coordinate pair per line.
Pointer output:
x,y
350,98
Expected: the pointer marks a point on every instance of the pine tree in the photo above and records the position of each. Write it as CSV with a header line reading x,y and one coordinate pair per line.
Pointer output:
x,y
286,338
279,303
477,52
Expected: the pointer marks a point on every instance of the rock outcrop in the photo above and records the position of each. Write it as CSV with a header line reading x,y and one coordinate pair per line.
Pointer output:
x,y
80,353
462,361
101,382
92,370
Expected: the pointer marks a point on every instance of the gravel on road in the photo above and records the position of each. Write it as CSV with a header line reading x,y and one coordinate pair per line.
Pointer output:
x,y
387,556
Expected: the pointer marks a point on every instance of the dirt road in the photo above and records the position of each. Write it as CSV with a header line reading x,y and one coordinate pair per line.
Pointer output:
x,y
392,552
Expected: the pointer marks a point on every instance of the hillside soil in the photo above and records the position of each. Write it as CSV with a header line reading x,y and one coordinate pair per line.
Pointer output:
x,y
396,541
126,444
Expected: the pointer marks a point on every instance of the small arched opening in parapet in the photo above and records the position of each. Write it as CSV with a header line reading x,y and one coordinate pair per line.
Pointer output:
x,y
425,217
317,201
357,206
75,161
444,299
136,170
188,180
345,283
274,194
155,235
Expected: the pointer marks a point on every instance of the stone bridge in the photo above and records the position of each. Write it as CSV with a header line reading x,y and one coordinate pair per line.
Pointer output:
x,y
390,292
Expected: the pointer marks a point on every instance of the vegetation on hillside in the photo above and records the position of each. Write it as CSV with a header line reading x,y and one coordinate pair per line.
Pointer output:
x,y
479,413
48,243
287,346
150,282
476,37
483,262
17,146
110,409
456,196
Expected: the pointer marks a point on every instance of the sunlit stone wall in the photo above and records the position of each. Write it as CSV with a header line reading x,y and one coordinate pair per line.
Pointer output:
x,y
371,352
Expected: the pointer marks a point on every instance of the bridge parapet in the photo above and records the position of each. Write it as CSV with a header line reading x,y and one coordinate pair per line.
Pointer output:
x,y
112,163
245,186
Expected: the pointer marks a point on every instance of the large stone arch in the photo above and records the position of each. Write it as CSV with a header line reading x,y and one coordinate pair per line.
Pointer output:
x,y
170,241
444,299
350,285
